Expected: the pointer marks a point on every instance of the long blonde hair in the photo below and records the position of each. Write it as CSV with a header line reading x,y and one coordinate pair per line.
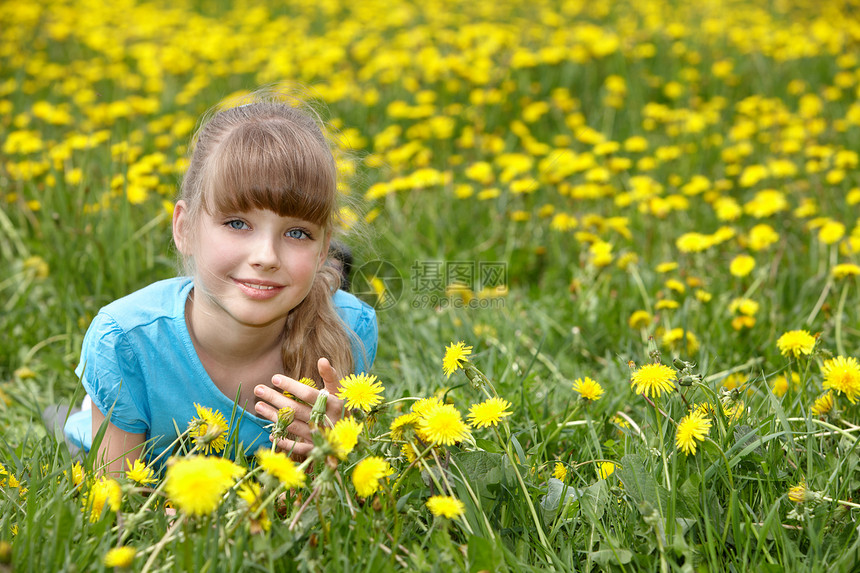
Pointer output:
x,y
273,155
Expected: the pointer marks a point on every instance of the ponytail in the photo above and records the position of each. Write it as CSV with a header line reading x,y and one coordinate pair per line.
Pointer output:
x,y
314,330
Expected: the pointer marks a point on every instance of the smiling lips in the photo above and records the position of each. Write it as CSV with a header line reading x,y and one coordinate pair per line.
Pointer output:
x,y
259,290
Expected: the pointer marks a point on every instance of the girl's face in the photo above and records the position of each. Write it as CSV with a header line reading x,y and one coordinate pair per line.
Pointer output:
x,y
251,267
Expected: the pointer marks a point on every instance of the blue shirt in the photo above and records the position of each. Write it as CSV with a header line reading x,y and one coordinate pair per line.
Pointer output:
x,y
138,363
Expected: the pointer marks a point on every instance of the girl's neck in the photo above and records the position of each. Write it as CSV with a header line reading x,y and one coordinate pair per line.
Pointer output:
x,y
234,344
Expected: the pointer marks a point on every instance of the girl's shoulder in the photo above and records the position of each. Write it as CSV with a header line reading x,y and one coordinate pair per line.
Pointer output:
x,y
162,299
353,310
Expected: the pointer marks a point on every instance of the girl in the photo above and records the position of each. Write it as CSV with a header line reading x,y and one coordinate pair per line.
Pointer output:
x,y
258,311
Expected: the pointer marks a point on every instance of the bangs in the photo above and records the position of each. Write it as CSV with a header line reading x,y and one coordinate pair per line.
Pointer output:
x,y
273,166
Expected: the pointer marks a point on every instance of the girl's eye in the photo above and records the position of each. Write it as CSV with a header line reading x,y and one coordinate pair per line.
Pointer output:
x,y
297,234
237,224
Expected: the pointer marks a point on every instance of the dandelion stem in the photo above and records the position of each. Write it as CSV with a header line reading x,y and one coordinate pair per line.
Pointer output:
x,y
522,483
841,502
840,349
162,542
304,506
419,456
345,494
843,433
820,302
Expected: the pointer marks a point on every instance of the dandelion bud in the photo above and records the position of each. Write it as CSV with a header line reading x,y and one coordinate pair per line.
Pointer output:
x,y
653,350
5,552
318,411
686,380
286,415
802,494
475,376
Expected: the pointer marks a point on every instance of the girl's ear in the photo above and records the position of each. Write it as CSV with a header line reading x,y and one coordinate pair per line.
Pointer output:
x,y
180,230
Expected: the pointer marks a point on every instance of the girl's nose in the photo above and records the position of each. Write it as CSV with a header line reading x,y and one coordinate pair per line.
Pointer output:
x,y
265,254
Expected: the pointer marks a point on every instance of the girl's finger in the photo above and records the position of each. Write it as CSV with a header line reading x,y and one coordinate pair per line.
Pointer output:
x,y
294,387
330,377
272,401
294,448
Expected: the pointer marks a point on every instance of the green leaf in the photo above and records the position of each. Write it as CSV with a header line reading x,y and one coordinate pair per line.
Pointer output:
x,y
605,557
483,556
484,469
593,500
555,493
638,482
489,446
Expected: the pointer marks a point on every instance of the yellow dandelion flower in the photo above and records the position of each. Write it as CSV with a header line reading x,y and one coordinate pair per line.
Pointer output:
x,y
779,385
588,389
639,319
843,375
455,354
746,306
762,236
120,557
196,484
279,465
734,411
104,493
831,232
559,472
368,473
445,506
78,474
408,453
666,267
666,304
845,270
796,343
344,436
252,494
741,265
675,337
209,430
424,405
799,493
675,285
823,404
360,391
694,242
140,473
489,412
605,469
735,380
653,379
402,424
692,428
307,382
442,424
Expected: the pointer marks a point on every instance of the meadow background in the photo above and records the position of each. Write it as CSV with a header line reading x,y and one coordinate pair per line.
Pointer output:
x,y
661,180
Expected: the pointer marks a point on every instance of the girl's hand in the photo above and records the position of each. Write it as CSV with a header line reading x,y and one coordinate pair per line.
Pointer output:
x,y
274,399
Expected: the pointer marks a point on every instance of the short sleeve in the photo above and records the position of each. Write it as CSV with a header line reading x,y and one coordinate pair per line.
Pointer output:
x,y
111,374
367,332
360,318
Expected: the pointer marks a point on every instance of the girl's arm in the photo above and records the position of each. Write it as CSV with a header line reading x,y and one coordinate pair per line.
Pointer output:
x,y
117,446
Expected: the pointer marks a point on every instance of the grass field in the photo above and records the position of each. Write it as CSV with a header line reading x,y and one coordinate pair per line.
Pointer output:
x,y
641,216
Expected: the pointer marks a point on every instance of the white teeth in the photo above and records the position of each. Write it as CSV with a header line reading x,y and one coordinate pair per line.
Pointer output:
x,y
258,287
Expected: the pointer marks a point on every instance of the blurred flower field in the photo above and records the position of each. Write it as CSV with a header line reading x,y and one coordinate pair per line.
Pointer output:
x,y
663,378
